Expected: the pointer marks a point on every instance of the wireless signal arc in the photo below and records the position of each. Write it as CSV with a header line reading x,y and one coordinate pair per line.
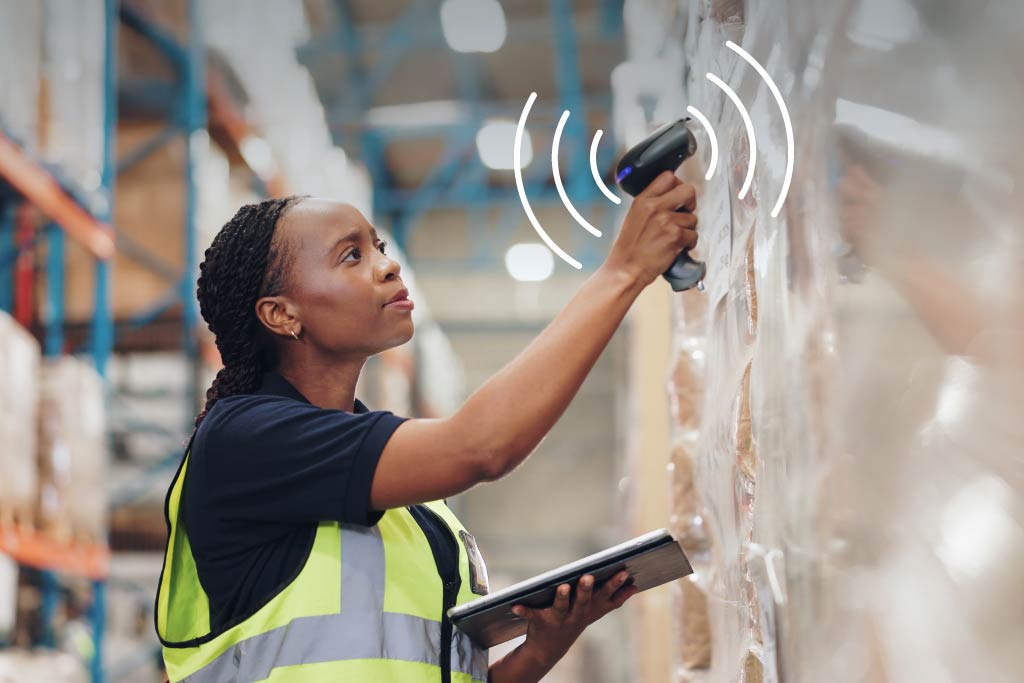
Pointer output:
x,y
790,154
558,178
518,170
597,175
787,122
696,113
520,188
748,124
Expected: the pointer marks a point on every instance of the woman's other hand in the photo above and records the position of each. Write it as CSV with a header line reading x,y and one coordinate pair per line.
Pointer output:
x,y
554,629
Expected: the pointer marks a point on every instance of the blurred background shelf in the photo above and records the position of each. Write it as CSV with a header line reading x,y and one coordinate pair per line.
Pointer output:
x,y
33,549
39,186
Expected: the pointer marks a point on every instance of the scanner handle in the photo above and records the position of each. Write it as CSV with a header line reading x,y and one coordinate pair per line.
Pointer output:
x,y
685,272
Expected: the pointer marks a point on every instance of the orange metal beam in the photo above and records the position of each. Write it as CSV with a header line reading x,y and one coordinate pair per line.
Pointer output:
x,y
40,188
224,112
34,549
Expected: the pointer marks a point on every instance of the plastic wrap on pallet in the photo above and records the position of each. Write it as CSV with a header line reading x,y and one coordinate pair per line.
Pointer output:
x,y
72,451
23,666
72,132
691,624
853,428
19,400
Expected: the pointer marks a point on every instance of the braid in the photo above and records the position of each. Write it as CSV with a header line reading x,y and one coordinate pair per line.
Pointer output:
x,y
243,263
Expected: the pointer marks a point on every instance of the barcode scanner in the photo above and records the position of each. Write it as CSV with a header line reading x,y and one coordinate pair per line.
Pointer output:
x,y
663,150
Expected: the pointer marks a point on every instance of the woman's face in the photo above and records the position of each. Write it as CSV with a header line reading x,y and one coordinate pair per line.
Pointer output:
x,y
338,281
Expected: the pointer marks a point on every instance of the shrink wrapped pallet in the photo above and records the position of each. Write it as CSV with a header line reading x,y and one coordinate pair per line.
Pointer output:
x,y
691,625
19,399
685,522
693,629
856,452
753,669
72,451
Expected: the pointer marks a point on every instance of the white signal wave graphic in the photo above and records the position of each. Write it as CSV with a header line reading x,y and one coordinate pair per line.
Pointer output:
x,y
593,169
785,119
711,137
558,178
517,168
750,130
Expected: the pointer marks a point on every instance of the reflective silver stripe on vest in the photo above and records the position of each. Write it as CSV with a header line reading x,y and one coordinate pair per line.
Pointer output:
x,y
360,631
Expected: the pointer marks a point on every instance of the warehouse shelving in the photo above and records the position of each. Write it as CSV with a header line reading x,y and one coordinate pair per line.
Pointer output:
x,y
42,189
85,217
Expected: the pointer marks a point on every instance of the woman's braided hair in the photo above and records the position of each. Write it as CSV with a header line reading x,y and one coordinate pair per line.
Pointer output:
x,y
243,264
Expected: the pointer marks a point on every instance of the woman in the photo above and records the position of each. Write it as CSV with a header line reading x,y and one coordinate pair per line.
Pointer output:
x,y
308,537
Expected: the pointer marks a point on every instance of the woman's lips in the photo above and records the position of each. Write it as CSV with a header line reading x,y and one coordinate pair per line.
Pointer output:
x,y
401,304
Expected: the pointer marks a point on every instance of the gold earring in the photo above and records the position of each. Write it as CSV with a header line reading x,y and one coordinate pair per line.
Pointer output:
x,y
294,336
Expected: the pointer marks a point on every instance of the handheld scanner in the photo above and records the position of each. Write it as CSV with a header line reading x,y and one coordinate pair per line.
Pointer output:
x,y
663,150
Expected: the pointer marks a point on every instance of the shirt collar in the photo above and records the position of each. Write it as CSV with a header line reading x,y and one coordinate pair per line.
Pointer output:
x,y
275,385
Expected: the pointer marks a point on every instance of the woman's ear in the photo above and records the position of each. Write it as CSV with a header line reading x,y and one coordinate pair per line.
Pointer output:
x,y
275,313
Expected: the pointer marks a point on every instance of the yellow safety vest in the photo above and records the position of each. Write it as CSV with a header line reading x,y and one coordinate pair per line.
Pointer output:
x,y
366,606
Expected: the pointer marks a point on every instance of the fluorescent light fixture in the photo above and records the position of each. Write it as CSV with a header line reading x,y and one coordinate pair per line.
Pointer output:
x,y
473,25
496,140
529,262
434,113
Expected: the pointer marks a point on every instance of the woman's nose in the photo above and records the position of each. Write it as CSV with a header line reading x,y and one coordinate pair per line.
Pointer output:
x,y
389,268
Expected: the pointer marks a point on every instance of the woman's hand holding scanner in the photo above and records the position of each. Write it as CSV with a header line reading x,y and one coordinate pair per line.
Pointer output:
x,y
554,629
504,420
654,231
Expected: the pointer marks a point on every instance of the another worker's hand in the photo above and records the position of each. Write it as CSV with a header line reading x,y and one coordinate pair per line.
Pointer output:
x,y
653,233
554,629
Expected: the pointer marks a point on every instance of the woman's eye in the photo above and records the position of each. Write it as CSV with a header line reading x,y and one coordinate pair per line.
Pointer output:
x,y
381,247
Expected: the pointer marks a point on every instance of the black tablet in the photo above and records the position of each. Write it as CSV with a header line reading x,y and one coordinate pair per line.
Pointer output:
x,y
651,560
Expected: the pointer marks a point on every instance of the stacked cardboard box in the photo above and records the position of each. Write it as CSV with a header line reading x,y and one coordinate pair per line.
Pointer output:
x,y
73,451
19,398
692,628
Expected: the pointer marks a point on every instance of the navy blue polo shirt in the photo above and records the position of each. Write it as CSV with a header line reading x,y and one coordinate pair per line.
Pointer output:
x,y
264,470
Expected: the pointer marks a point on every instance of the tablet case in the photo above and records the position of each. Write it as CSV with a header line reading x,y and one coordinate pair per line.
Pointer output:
x,y
651,560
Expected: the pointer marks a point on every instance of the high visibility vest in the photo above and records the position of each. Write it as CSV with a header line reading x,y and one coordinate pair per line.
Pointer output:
x,y
367,605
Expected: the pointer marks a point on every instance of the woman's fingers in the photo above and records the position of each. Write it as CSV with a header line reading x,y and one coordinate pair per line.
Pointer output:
x,y
610,596
561,606
621,596
614,584
523,612
584,591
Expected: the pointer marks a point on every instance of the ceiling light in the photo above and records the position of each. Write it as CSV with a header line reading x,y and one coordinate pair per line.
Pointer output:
x,y
496,140
529,262
473,25
417,114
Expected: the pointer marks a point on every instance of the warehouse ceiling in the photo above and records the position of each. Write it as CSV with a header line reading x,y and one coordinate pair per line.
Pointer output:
x,y
399,100
368,56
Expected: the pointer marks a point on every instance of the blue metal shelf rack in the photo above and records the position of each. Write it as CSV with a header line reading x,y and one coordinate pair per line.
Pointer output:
x,y
187,117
